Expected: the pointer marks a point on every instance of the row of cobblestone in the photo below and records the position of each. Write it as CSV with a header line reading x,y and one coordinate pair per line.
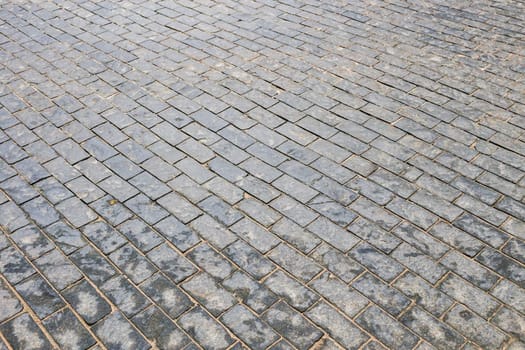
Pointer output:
x,y
266,174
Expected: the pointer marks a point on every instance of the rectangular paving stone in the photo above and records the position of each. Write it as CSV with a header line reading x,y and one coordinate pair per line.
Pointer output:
x,y
160,329
434,331
292,326
374,213
211,261
381,294
177,233
338,327
208,332
219,210
249,259
382,265
418,262
67,238
225,190
293,210
514,248
87,302
67,330
388,330
481,230
93,265
412,213
469,270
10,303
213,231
105,237
76,212
464,242
474,327
510,321
295,235
116,332
58,269
425,295
502,265
22,332
32,241
255,333
294,293
124,295
336,292
336,262
298,265
39,295
172,263
167,295
333,234
437,205
469,295
510,294
252,293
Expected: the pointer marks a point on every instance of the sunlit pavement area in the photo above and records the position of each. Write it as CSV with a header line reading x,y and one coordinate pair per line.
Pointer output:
x,y
262,174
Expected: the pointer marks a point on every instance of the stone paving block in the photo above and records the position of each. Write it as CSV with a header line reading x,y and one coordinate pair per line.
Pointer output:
x,y
116,332
167,295
249,259
65,237
511,322
389,331
53,190
293,210
174,265
10,303
42,299
104,236
514,248
213,231
296,264
345,298
294,293
160,329
67,331
510,294
419,262
292,326
220,210
22,332
93,265
149,211
336,262
18,189
76,212
469,270
434,331
384,266
210,261
177,233
471,296
205,330
481,230
87,302
502,265
32,242
58,269
374,213
255,333
252,293
474,327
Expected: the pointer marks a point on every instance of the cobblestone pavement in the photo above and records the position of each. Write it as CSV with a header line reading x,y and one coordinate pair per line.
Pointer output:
x,y
267,174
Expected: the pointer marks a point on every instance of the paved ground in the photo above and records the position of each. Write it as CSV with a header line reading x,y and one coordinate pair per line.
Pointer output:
x,y
262,174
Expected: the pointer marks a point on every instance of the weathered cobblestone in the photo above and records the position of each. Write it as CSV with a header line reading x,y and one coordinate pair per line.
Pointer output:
x,y
262,175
